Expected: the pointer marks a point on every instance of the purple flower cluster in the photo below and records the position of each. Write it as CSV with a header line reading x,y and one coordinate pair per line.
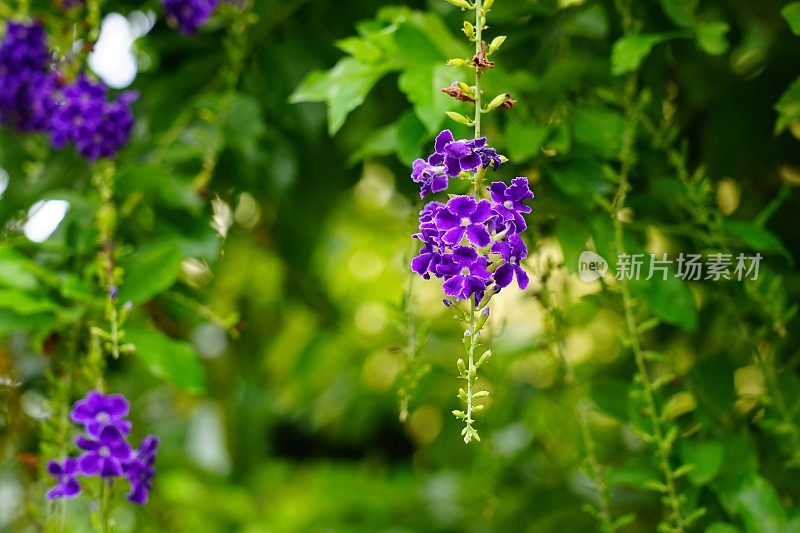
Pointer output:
x,y
24,77
450,158
188,15
472,244
106,451
35,98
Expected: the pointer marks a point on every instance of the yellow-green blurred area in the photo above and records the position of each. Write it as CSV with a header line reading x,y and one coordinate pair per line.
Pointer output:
x,y
274,312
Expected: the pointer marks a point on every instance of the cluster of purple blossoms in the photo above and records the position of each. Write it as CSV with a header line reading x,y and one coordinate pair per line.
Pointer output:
x,y
34,98
188,15
472,244
106,451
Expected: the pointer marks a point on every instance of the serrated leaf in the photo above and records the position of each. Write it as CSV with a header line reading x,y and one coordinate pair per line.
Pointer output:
x,y
168,358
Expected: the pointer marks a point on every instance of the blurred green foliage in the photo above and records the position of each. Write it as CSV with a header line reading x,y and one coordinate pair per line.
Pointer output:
x,y
270,344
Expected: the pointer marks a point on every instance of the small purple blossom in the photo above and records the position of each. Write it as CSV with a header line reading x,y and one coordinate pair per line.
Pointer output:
x,y
465,216
97,411
462,155
105,454
512,250
188,15
508,201
66,485
465,273
24,58
433,178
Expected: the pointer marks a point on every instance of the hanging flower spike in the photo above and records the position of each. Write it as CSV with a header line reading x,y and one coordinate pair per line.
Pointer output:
x,y
66,485
96,411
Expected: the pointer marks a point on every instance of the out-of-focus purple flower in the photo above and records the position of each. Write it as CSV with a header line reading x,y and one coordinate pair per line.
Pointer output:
x,y
432,177
66,485
465,216
105,454
99,128
512,250
97,410
465,273
23,74
508,201
140,471
188,15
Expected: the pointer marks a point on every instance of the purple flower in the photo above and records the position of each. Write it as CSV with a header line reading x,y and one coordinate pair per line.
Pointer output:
x,y
465,273
105,454
96,411
512,250
508,201
66,485
489,156
433,178
24,57
465,216
99,128
188,15
456,155
140,470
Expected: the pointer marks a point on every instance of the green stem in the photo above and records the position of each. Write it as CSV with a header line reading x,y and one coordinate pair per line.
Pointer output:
x,y
105,506
479,22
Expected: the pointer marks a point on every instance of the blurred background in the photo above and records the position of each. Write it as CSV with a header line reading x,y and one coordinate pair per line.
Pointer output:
x,y
265,212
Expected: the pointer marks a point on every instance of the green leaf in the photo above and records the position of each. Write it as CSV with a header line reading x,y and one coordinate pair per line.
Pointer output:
x,y
757,238
24,303
611,396
16,270
411,135
524,139
580,177
344,88
791,12
168,358
759,507
670,300
706,457
788,107
599,129
149,271
422,85
681,12
629,52
711,37
244,124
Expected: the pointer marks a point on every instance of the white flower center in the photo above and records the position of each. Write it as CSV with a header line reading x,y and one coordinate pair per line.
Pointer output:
x,y
102,417
465,271
512,259
465,222
508,204
104,451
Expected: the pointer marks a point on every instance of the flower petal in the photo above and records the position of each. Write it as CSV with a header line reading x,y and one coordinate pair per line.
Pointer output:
x,y
478,235
504,275
461,206
442,140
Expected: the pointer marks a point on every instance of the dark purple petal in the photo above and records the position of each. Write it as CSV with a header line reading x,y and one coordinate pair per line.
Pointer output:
x,y
442,140
453,165
86,444
504,275
470,162
89,463
71,488
462,206
522,277
478,235
465,255
454,236
482,213
455,287
446,220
